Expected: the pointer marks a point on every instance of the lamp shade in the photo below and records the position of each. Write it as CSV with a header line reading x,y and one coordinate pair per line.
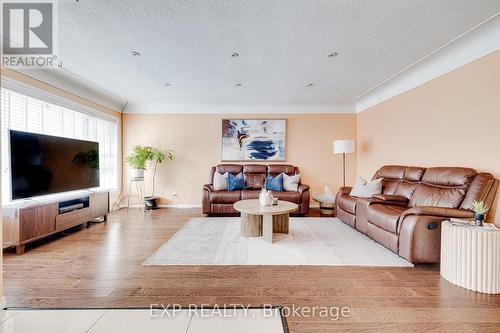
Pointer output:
x,y
343,146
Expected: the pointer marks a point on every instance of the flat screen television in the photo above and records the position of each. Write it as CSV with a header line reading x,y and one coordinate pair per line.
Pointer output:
x,y
44,164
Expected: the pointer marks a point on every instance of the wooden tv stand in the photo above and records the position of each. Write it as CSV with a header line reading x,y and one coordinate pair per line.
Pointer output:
x,y
30,220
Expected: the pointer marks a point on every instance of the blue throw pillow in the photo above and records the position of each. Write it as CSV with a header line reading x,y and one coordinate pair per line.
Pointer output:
x,y
274,184
235,183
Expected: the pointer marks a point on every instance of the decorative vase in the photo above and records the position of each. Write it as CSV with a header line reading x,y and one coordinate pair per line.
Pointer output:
x,y
479,219
137,173
265,198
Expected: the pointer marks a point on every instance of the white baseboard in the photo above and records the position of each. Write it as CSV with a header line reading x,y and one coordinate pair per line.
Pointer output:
x,y
3,303
181,206
184,206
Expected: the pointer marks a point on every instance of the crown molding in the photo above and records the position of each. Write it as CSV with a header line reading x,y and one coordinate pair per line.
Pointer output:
x,y
43,95
480,41
161,108
65,80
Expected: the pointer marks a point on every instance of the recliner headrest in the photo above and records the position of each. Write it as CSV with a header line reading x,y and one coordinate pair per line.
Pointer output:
x,y
449,176
231,168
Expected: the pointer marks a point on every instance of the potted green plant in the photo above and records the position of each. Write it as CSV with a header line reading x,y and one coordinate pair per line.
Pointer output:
x,y
158,156
140,159
479,208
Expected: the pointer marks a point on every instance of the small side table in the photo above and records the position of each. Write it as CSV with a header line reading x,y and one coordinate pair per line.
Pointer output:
x,y
327,208
470,256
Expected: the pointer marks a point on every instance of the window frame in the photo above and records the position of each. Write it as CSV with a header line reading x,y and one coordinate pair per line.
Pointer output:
x,y
51,98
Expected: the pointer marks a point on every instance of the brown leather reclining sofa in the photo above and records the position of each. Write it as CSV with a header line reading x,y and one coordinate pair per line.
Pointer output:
x,y
407,216
221,202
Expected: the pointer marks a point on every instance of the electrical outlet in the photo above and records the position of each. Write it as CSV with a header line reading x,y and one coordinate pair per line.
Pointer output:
x,y
174,195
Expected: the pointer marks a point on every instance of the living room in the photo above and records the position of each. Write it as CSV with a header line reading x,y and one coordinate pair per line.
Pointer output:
x,y
273,166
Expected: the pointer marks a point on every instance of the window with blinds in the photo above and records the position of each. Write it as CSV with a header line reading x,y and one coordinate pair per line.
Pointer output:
x,y
24,113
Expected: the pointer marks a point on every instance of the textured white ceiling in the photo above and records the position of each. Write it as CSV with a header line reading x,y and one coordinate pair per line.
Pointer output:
x,y
283,46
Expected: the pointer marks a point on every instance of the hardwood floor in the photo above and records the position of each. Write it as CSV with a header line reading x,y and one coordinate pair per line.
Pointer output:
x,y
101,266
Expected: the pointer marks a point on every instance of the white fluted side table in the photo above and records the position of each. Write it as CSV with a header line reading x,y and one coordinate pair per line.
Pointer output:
x,y
470,256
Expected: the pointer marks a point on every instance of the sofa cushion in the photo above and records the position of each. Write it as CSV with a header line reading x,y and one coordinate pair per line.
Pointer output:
x,y
255,176
235,183
399,180
274,183
291,183
223,209
414,174
250,194
406,189
231,168
255,168
364,189
390,172
287,196
276,169
225,197
347,203
255,181
386,238
389,186
385,216
449,177
434,196
442,187
220,181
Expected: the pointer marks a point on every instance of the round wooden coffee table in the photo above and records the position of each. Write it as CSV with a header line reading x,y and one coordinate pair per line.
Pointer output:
x,y
257,220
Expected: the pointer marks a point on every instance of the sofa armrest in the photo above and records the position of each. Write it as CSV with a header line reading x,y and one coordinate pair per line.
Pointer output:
x,y
393,198
302,188
438,211
211,175
342,191
303,191
208,187
205,201
345,190
420,238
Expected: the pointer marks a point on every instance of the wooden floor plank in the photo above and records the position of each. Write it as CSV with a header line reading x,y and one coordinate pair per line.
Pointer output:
x,y
101,266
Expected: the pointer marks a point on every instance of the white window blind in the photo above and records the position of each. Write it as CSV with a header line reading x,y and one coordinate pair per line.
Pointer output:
x,y
24,113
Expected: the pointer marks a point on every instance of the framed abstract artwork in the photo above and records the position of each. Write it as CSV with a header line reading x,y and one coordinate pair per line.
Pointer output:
x,y
253,139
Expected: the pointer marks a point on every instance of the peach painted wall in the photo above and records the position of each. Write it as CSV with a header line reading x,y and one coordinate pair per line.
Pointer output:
x,y
453,120
196,140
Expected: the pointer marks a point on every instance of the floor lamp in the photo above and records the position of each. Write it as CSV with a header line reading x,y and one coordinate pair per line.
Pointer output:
x,y
343,147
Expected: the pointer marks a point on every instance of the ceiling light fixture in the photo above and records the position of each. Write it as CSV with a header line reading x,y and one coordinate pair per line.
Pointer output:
x,y
309,85
135,53
167,84
238,85
234,55
333,54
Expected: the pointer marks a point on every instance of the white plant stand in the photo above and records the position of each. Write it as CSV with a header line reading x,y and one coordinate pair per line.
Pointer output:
x,y
139,185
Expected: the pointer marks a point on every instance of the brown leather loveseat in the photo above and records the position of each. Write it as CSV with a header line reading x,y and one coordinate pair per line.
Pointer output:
x,y
221,202
407,216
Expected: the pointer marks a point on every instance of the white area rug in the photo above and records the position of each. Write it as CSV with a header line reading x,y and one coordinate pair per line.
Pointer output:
x,y
312,241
